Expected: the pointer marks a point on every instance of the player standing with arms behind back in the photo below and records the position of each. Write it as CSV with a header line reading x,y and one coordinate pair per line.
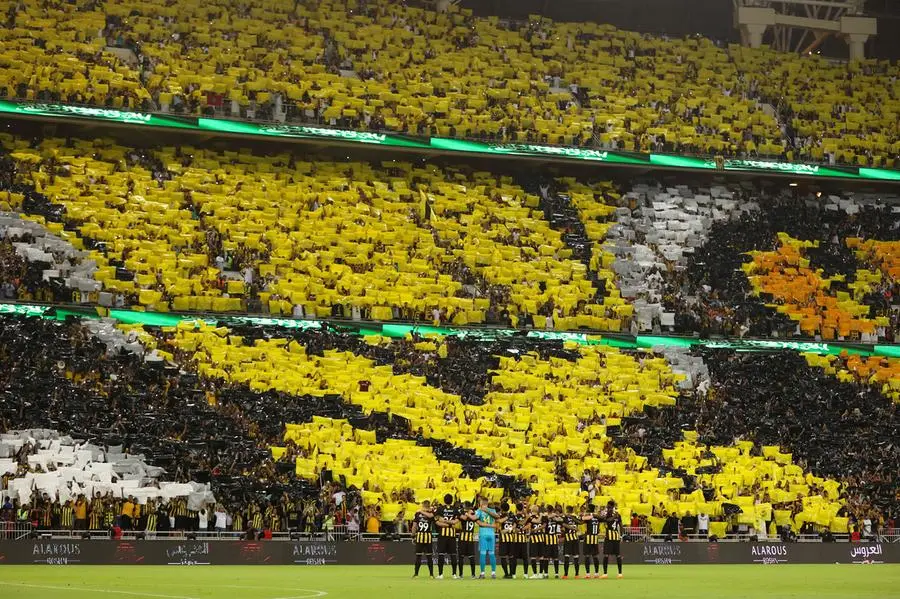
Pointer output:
x,y
487,540
613,539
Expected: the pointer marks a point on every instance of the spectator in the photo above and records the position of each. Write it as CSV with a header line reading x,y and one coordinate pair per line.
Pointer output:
x,y
221,520
703,524
373,522
202,522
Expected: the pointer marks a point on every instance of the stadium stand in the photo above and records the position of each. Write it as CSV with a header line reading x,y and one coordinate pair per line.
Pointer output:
x,y
188,229
386,66
561,423
833,113
791,264
313,239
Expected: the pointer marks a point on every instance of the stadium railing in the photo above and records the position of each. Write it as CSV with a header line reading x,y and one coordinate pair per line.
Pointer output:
x,y
13,530
341,534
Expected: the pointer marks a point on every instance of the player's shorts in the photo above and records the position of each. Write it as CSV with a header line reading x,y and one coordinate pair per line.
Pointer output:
x,y
509,549
518,550
446,545
570,548
551,551
486,544
467,548
424,548
535,550
591,549
611,547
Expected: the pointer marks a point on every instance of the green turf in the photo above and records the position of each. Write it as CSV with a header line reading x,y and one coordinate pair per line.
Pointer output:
x,y
373,582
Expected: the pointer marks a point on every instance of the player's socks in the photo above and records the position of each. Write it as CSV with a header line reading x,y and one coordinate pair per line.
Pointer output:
x,y
441,565
575,559
534,568
493,562
605,563
430,565
471,565
566,560
512,567
556,567
504,565
619,563
418,563
482,557
596,565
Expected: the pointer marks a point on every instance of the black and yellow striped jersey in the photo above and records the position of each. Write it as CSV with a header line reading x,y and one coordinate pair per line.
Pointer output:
x,y
67,517
570,528
554,530
449,514
96,514
508,530
614,527
592,530
422,527
538,530
467,528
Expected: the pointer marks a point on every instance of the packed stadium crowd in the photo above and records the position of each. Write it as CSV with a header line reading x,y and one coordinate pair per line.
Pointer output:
x,y
269,450
455,247
463,439
386,66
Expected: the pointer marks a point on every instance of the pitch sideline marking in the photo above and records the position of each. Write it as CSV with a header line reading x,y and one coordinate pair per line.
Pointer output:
x,y
310,593
90,590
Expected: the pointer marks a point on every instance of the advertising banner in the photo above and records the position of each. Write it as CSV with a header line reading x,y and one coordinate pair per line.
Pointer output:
x,y
310,132
324,553
126,117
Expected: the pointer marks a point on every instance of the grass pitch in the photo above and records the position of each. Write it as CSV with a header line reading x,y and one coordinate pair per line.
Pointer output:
x,y
373,582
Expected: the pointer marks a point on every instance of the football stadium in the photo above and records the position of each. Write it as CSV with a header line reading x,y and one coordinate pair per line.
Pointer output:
x,y
441,298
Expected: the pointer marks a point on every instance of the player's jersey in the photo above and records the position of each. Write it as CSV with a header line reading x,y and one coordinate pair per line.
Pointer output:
x,y
447,513
522,529
486,518
614,527
467,530
538,530
422,524
554,529
571,528
509,529
592,531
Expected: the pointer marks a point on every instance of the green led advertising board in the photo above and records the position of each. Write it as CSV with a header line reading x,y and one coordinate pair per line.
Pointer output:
x,y
440,144
88,112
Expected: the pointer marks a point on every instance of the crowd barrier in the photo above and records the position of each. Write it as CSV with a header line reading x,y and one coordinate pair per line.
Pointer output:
x,y
204,553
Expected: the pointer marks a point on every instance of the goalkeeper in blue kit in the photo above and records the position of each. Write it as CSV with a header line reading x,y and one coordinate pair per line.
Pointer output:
x,y
488,520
